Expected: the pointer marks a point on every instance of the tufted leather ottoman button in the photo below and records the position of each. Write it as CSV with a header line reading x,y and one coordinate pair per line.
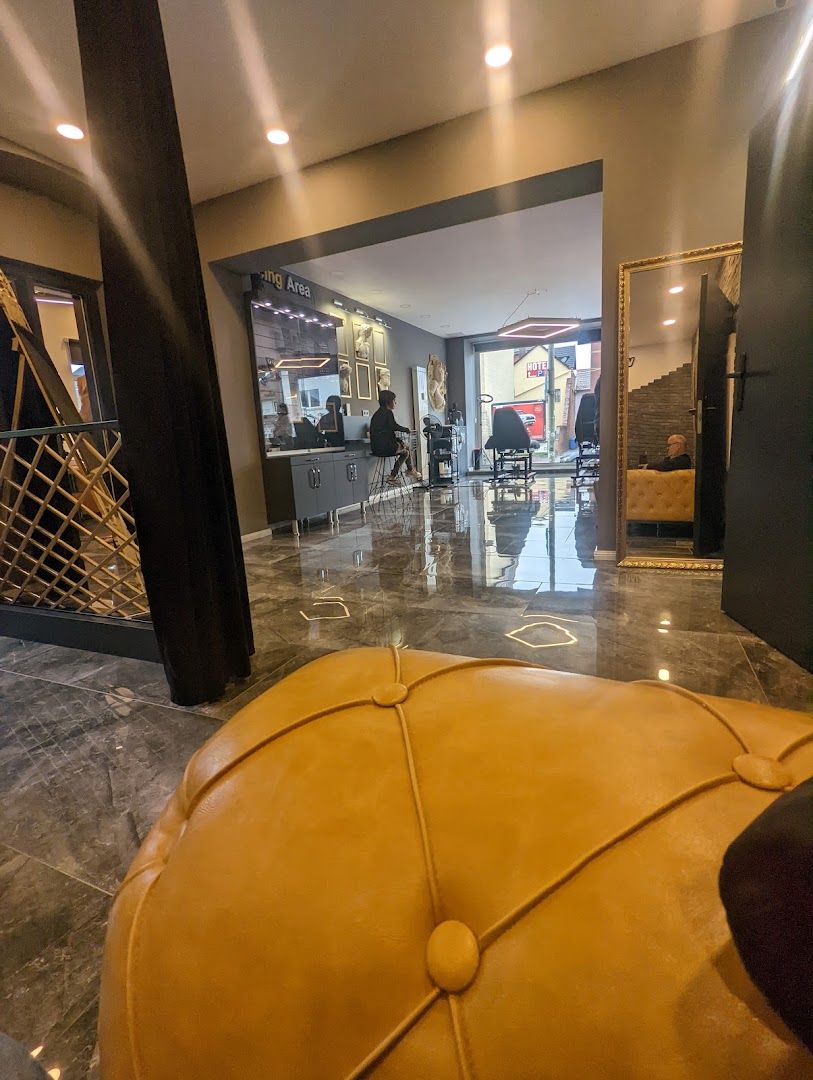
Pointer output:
x,y
762,772
452,956
389,695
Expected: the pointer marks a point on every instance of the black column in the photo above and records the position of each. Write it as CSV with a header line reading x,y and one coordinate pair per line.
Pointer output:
x,y
161,353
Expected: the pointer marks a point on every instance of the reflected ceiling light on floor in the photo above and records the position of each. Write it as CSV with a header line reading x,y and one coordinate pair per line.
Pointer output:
x,y
804,45
663,674
498,56
278,137
677,289
70,131
538,329
669,322
35,1053
662,630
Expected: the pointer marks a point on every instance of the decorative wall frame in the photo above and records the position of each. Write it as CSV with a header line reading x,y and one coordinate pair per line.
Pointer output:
x,y
383,378
362,341
345,379
379,348
341,339
363,385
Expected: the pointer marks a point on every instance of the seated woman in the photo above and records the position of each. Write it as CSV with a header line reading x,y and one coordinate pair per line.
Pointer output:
x,y
384,441
676,456
331,425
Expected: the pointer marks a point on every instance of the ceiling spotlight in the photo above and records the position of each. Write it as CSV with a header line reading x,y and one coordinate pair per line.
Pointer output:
x,y
663,674
669,322
676,289
70,131
337,303
278,137
498,55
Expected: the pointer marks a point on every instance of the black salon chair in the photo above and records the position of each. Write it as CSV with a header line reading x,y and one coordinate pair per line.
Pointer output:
x,y
438,451
588,450
510,446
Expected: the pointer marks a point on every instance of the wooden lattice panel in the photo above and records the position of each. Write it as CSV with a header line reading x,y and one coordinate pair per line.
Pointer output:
x,y
90,561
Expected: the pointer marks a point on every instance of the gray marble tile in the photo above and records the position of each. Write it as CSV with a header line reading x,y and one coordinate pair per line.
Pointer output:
x,y
83,775
51,935
707,663
110,674
784,682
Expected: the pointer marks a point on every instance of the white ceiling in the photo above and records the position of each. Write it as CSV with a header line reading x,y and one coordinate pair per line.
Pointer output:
x,y
473,278
338,74
651,302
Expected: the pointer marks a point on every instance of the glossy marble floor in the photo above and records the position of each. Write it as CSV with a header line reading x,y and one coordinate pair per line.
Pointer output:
x,y
91,747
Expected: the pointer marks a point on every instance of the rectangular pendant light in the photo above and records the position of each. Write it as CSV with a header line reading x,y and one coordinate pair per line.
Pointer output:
x,y
533,329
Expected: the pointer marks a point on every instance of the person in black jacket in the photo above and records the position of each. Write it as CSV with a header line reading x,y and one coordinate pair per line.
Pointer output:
x,y
384,440
676,456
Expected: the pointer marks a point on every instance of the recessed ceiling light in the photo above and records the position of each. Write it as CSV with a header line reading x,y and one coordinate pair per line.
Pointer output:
x,y
70,131
669,322
663,674
498,55
278,137
404,307
676,289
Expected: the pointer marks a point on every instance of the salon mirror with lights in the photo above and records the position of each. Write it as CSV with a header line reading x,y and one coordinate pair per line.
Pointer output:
x,y
298,387
677,331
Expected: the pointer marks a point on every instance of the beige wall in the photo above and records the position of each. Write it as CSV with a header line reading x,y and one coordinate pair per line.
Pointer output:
x,y
672,131
36,230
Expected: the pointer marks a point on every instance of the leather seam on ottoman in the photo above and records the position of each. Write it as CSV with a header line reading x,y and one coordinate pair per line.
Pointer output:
x,y
681,692
513,917
228,767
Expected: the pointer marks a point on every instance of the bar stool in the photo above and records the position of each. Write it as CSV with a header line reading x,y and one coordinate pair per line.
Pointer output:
x,y
378,480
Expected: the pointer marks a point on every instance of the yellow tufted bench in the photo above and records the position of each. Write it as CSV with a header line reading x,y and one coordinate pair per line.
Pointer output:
x,y
660,496
413,866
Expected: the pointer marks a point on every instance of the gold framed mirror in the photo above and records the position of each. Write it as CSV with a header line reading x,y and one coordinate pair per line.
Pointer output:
x,y
677,317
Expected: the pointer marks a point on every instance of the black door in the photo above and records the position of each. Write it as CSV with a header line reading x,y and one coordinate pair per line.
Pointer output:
x,y
715,326
767,575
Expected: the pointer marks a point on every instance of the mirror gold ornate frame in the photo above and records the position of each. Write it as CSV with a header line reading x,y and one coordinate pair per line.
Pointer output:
x,y
625,272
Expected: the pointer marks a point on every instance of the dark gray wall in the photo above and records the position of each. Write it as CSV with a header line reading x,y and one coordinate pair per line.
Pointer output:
x,y
407,347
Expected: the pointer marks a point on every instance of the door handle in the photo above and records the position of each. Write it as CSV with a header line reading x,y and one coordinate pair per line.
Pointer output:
x,y
740,374
312,478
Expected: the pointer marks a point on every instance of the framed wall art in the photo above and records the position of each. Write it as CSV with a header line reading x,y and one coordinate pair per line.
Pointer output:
x,y
363,386
345,379
362,341
382,378
379,348
341,339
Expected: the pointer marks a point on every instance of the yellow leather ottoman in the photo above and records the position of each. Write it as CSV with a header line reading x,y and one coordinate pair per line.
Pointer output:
x,y
414,866
660,496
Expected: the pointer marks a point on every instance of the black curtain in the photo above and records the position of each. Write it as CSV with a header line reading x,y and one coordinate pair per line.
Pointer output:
x,y
166,386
